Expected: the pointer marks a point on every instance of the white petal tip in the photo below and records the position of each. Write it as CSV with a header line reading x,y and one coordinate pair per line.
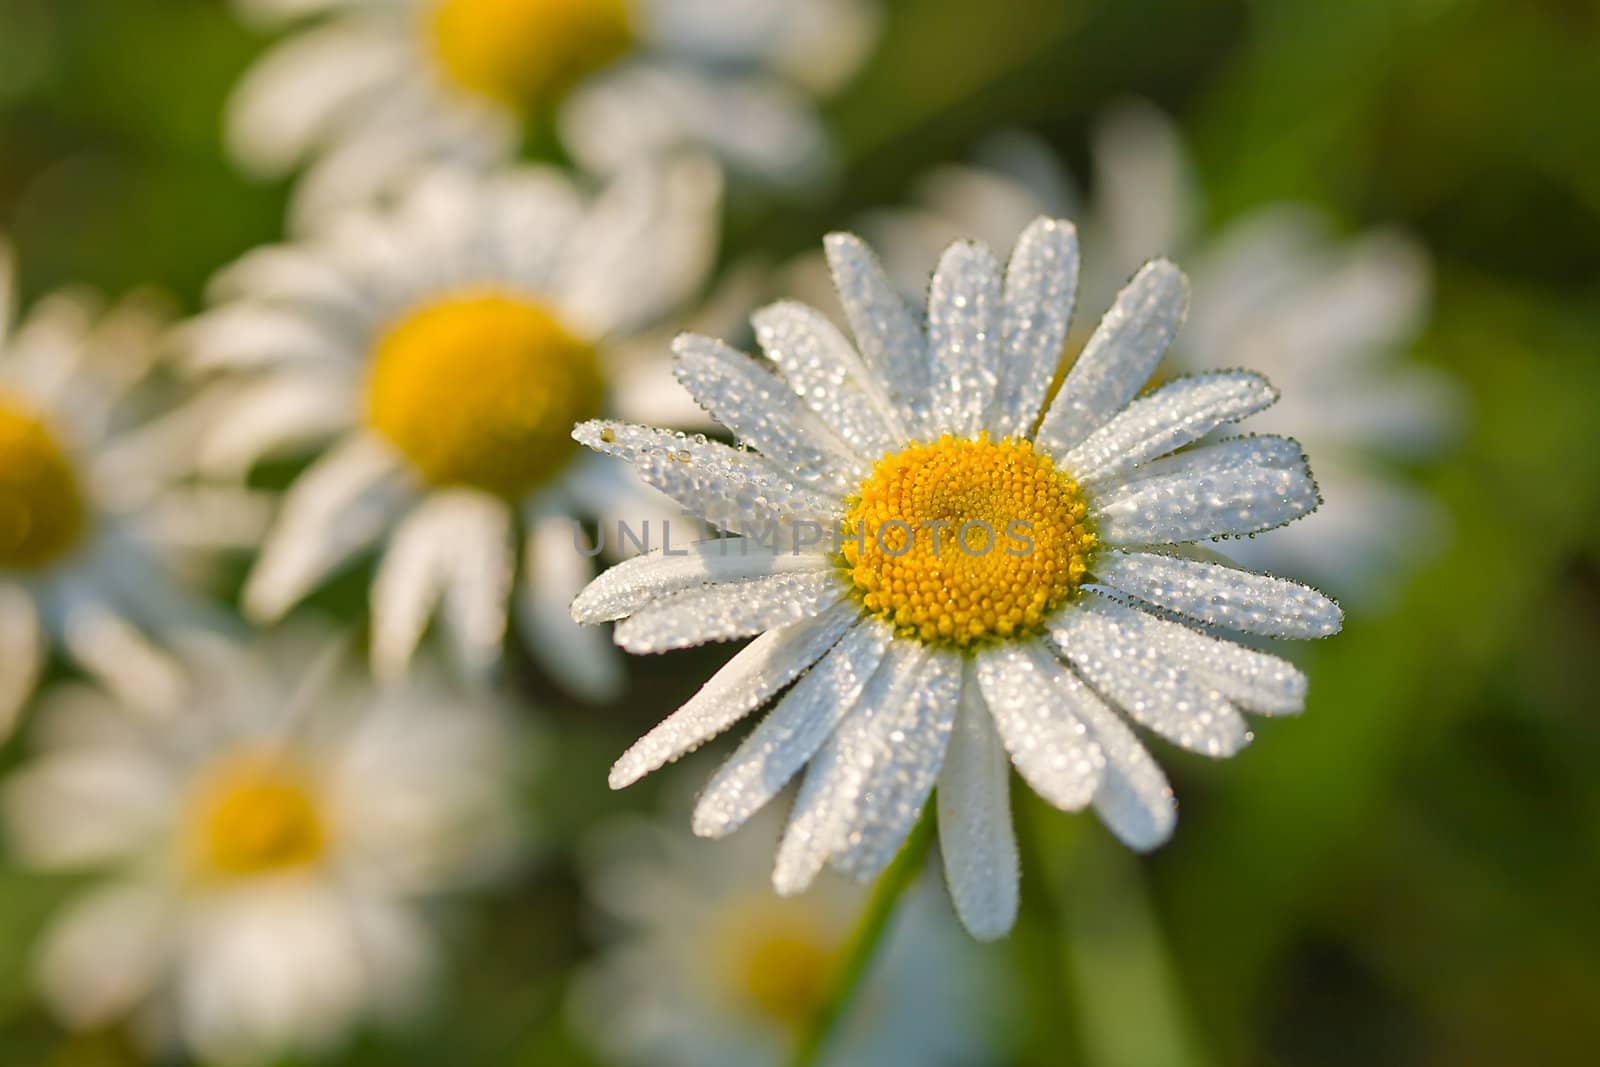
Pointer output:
x,y
625,772
989,927
589,433
262,608
841,241
791,883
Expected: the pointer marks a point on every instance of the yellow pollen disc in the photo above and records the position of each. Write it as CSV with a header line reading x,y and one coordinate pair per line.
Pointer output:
x,y
964,541
41,508
482,390
525,53
253,814
778,958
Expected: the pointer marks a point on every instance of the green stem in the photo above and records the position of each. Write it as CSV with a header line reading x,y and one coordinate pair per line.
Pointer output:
x,y
864,942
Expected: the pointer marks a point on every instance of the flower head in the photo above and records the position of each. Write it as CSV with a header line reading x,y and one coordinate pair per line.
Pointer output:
x,y
442,351
91,488
1061,601
262,850
383,87
708,969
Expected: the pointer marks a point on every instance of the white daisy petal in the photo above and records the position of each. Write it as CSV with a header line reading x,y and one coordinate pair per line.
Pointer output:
x,y
814,830
1216,457
738,491
104,643
833,793
1179,412
963,337
792,732
277,413
1146,202
1255,681
21,653
578,657
536,210
206,518
1052,750
266,966
295,96
829,375
1134,800
763,412
644,247
482,567
1120,357
728,611
637,582
1154,691
976,840
886,331
898,757
1040,287
100,958
337,508
96,803
1222,596
291,275
646,110
1191,505
408,584
761,668
249,336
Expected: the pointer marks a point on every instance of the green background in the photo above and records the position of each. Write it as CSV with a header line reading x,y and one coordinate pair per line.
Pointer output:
x,y
1410,873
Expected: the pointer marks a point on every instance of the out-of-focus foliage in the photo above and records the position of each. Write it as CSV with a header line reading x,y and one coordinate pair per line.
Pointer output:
x,y
1407,874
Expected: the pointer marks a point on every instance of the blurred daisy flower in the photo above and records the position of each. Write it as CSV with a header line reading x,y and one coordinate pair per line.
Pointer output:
x,y
91,500
442,352
1326,319
265,851
704,967
382,86
948,562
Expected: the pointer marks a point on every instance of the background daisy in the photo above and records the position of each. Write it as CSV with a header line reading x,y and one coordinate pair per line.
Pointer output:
x,y
439,354
913,664
386,85
1325,318
264,849
703,967
94,518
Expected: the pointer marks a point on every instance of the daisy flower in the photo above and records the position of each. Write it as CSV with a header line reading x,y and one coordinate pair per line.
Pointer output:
x,y
441,352
1326,319
263,854
381,86
964,568
92,510
703,967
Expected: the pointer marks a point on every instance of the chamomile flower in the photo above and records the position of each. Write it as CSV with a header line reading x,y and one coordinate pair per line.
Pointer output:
x,y
381,86
704,967
90,499
264,854
1326,319
965,569
441,352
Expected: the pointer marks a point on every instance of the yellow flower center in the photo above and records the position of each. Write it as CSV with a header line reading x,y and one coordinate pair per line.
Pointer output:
x,y
41,507
778,958
963,541
256,813
525,53
482,390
